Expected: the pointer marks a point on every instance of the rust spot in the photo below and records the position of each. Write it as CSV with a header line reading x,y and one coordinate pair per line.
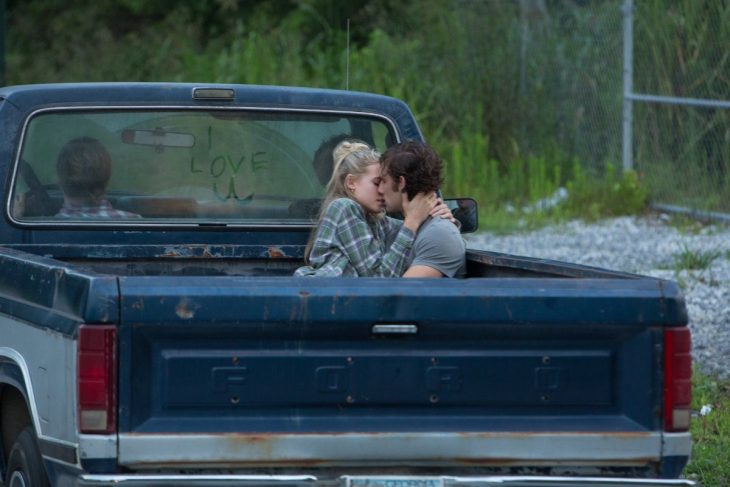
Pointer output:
x,y
187,252
250,438
185,309
276,253
304,294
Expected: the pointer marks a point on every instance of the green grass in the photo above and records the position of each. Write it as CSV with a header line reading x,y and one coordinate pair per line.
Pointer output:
x,y
690,225
693,260
512,197
686,224
710,462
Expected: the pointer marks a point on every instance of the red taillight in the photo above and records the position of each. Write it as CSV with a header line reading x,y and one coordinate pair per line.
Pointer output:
x,y
677,379
96,371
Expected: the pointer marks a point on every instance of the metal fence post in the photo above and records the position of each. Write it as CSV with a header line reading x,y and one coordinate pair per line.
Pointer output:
x,y
627,136
524,40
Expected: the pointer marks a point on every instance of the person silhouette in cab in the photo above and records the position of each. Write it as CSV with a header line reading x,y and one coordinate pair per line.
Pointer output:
x,y
84,168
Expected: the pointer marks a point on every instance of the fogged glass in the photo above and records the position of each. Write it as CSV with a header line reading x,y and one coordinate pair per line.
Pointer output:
x,y
153,166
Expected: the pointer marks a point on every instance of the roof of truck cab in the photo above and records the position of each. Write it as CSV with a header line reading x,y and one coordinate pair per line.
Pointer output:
x,y
255,95
28,98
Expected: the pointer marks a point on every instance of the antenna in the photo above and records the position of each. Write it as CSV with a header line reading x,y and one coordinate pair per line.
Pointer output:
x,y
347,61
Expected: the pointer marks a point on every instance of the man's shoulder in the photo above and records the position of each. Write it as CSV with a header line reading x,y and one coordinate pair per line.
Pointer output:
x,y
439,245
438,228
440,237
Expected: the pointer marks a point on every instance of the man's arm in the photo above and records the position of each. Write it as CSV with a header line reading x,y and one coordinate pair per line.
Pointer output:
x,y
422,271
438,251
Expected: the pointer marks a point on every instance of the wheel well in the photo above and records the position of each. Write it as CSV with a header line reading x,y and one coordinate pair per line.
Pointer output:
x,y
14,417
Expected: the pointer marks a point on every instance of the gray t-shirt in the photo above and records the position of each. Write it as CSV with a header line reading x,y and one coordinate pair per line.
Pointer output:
x,y
439,245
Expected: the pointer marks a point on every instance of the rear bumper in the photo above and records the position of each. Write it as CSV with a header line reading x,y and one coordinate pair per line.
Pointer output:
x,y
155,451
309,481
585,457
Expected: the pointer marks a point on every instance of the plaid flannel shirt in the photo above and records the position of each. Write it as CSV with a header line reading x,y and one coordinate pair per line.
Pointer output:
x,y
350,244
101,210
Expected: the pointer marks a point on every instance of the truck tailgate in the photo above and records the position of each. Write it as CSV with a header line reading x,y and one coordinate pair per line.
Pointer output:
x,y
221,371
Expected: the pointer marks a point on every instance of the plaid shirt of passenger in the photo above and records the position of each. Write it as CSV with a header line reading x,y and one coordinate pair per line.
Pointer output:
x,y
101,210
350,244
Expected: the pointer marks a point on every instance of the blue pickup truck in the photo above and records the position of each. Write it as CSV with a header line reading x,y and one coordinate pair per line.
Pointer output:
x,y
164,341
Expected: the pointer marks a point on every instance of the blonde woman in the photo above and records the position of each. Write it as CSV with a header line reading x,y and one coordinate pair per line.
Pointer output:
x,y
351,234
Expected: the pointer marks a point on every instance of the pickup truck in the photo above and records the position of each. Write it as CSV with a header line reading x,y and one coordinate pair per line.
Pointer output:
x,y
166,342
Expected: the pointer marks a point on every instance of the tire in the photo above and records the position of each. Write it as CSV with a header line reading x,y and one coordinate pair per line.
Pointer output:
x,y
25,465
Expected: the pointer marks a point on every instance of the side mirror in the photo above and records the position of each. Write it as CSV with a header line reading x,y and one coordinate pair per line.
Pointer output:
x,y
464,210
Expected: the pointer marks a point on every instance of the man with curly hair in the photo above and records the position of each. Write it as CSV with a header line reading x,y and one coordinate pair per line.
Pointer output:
x,y
411,168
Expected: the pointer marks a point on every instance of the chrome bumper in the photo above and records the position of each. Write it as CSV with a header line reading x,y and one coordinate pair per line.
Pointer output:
x,y
370,481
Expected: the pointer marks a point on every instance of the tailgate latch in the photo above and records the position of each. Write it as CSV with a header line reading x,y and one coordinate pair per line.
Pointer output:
x,y
395,329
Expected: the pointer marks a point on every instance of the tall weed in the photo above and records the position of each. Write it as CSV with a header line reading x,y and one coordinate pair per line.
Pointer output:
x,y
612,193
533,191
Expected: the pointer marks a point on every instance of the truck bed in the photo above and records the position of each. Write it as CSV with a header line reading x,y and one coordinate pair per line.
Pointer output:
x,y
269,261
232,363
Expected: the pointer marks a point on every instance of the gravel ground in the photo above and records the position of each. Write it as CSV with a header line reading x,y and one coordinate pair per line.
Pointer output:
x,y
649,246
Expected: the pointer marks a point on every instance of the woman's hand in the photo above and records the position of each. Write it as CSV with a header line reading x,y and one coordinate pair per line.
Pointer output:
x,y
418,209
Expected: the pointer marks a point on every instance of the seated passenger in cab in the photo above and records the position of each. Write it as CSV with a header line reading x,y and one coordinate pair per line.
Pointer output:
x,y
84,168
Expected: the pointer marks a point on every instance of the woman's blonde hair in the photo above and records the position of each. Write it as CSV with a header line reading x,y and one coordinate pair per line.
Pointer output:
x,y
350,157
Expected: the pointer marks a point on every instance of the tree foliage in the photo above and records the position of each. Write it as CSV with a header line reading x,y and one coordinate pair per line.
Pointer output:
x,y
531,77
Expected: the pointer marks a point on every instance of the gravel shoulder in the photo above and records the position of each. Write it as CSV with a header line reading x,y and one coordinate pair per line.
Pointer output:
x,y
645,245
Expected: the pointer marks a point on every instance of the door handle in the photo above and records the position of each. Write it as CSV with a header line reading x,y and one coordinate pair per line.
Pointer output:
x,y
394,329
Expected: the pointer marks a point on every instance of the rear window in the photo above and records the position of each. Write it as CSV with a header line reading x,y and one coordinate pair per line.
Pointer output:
x,y
180,166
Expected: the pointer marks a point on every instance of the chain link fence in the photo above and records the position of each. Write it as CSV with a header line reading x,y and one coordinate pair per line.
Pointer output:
x,y
572,51
681,103
644,85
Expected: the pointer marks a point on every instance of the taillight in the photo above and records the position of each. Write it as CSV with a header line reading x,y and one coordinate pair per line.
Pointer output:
x,y
677,379
96,377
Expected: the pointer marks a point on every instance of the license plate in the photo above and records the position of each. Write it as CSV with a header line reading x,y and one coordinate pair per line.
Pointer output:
x,y
393,482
